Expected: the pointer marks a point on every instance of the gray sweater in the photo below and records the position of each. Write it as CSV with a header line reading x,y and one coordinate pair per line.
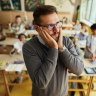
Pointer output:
x,y
48,68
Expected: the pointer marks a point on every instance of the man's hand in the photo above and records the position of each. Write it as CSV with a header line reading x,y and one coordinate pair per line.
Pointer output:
x,y
47,38
60,42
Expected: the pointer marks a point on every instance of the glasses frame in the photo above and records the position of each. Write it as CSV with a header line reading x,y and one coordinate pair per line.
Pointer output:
x,y
47,26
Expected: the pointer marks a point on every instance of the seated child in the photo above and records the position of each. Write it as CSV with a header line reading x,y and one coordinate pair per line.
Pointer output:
x,y
18,26
77,26
83,33
18,49
18,45
90,51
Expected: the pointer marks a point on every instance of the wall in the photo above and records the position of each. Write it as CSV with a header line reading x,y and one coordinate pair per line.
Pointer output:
x,y
9,16
66,6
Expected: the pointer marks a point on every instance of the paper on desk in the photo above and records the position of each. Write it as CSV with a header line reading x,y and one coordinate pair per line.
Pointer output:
x,y
93,62
14,67
82,42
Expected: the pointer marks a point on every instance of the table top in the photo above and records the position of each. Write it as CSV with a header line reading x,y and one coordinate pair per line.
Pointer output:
x,y
81,43
8,58
68,32
9,41
65,32
67,25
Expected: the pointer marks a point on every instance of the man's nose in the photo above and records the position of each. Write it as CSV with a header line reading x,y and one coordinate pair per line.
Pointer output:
x,y
56,29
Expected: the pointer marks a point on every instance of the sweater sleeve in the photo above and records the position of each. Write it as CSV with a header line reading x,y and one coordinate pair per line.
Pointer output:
x,y
40,72
71,60
78,50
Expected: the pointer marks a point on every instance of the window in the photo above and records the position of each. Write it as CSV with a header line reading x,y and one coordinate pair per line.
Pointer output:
x,y
89,10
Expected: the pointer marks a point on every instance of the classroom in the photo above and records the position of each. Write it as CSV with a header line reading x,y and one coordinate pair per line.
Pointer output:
x,y
47,48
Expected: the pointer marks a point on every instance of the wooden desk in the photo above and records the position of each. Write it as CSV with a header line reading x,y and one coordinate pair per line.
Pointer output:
x,y
81,43
68,32
19,57
9,41
67,26
4,74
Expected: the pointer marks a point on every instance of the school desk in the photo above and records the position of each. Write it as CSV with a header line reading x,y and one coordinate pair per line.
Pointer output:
x,y
8,58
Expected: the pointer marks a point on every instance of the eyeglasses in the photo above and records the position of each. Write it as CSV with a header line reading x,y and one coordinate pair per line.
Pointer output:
x,y
51,27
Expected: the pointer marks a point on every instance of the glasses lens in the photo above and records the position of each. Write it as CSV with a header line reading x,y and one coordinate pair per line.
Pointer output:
x,y
50,27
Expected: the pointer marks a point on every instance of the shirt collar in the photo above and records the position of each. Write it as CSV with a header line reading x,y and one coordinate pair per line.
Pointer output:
x,y
41,40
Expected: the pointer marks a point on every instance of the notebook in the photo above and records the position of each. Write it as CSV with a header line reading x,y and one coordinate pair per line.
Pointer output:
x,y
90,70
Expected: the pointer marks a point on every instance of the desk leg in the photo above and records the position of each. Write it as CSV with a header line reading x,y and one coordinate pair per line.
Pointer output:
x,y
6,83
90,85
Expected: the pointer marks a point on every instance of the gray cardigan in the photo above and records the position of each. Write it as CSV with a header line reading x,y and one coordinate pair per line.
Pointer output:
x,y
48,68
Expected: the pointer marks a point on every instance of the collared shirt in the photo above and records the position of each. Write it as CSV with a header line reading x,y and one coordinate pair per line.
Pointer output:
x,y
41,40
89,43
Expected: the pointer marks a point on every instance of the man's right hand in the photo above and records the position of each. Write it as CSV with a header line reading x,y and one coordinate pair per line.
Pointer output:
x,y
47,38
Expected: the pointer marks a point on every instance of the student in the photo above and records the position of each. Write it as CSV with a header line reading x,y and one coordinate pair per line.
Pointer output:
x,y
18,26
48,56
90,51
83,34
18,45
2,34
31,25
18,50
77,26
78,50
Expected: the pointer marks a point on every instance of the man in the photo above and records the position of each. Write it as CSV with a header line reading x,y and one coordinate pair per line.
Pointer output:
x,y
90,50
48,56
18,26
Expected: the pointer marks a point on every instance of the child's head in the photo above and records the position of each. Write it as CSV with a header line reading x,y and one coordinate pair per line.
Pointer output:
x,y
22,37
18,19
84,28
93,28
73,40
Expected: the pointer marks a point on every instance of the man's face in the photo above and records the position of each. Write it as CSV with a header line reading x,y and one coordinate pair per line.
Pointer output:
x,y
18,20
51,19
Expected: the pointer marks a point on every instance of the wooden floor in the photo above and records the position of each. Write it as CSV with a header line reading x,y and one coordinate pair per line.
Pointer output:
x,y
26,90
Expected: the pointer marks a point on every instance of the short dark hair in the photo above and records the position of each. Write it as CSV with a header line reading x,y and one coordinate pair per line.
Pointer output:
x,y
71,37
18,16
19,36
42,10
93,27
